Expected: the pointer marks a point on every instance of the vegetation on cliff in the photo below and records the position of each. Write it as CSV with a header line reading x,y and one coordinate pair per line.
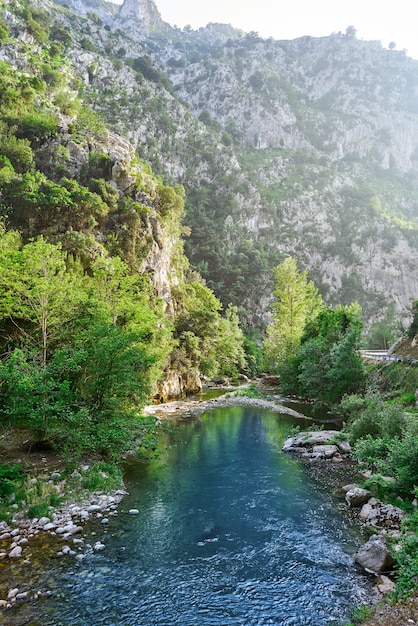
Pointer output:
x,y
97,299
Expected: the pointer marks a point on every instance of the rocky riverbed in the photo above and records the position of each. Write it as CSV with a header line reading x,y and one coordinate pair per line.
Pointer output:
x,y
383,520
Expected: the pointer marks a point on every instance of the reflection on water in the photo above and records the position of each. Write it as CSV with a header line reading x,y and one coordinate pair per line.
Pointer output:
x,y
230,532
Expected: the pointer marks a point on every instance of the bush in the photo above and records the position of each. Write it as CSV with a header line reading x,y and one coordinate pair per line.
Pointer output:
x,y
36,127
18,151
38,510
4,30
11,476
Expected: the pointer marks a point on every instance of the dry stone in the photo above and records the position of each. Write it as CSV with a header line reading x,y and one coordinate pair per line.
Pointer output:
x,y
374,556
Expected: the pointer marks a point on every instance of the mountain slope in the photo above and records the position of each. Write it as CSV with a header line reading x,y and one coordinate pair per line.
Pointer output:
x,y
307,147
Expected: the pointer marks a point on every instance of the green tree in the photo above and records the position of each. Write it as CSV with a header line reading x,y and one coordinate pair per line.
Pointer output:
x,y
327,364
230,340
46,295
384,332
297,301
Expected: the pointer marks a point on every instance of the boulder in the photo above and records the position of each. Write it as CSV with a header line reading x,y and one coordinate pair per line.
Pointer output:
x,y
374,556
315,445
357,496
379,515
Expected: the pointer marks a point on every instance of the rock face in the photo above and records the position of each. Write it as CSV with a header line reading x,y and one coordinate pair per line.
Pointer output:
x,y
176,385
374,555
305,148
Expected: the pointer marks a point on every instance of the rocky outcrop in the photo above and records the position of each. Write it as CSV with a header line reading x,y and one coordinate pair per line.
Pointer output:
x,y
178,384
318,445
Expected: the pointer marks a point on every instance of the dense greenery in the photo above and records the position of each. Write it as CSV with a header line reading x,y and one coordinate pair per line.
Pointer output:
x,y
84,338
313,348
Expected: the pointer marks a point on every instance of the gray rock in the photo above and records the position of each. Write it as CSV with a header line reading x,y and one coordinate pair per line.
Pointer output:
x,y
349,487
385,584
324,451
386,516
374,556
344,446
12,593
133,512
5,536
357,496
16,553
49,526
43,521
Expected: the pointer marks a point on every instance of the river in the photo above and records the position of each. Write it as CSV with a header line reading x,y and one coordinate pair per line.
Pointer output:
x,y
230,531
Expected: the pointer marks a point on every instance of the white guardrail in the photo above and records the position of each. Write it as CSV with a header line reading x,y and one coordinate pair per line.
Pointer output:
x,y
383,355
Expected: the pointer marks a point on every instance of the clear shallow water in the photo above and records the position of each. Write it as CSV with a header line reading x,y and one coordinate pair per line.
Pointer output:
x,y
231,532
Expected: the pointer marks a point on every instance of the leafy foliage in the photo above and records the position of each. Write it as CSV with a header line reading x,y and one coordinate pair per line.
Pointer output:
x,y
297,302
327,365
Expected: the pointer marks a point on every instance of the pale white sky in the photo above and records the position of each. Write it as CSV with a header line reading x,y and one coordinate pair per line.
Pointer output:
x,y
385,20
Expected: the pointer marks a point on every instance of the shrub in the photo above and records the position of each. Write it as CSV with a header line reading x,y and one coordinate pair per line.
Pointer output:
x,y
18,151
10,477
87,44
38,510
36,127
4,30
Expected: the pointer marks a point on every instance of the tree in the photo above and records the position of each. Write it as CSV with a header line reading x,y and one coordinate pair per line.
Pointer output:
x,y
46,295
297,302
327,364
383,333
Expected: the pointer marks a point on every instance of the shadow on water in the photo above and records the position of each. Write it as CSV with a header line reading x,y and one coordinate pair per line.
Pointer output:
x,y
230,531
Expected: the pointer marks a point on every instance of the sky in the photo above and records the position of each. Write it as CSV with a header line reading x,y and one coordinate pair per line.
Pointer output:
x,y
384,20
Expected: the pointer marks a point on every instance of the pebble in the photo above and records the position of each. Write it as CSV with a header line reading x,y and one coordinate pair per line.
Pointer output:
x,y
104,521
12,593
3,604
98,546
22,596
43,521
15,532
93,508
133,512
5,536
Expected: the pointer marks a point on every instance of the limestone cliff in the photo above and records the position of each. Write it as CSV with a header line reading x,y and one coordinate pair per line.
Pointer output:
x,y
306,147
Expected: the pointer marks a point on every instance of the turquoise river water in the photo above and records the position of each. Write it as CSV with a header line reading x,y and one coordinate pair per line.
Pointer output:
x,y
230,531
